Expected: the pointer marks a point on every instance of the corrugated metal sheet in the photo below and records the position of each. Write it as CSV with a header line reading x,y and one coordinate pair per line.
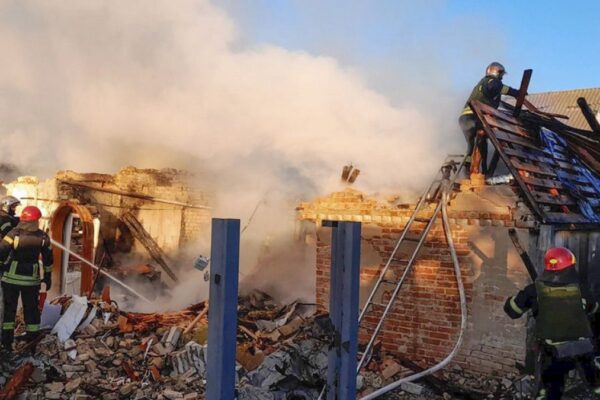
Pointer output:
x,y
565,102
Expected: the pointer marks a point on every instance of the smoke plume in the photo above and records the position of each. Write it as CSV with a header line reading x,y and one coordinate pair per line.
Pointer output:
x,y
97,85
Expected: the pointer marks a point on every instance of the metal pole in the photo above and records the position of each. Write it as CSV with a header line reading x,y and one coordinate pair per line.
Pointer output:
x,y
223,300
343,309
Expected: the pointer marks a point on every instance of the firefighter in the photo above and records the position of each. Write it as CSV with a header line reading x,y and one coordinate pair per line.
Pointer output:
x,y
562,327
21,250
488,91
8,209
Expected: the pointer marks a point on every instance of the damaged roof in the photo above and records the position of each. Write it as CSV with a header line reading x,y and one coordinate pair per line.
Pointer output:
x,y
565,102
555,166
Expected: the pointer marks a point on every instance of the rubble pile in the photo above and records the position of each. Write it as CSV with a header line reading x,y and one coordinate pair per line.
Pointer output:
x,y
91,349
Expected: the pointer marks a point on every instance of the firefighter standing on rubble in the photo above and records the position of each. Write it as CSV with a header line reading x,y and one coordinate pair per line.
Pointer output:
x,y
488,91
562,327
21,250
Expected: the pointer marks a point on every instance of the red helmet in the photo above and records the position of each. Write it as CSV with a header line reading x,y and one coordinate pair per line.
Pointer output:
x,y
558,258
30,214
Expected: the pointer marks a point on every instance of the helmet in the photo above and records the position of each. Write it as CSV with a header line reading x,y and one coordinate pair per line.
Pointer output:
x,y
9,202
495,69
558,258
30,214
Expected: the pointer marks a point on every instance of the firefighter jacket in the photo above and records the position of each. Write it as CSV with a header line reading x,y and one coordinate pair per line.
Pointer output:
x,y
561,312
7,223
488,91
21,249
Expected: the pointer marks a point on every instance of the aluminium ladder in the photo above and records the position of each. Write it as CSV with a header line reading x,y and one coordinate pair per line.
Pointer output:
x,y
445,178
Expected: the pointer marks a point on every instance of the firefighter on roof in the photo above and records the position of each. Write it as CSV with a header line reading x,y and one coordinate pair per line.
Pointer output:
x,y
21,250
562,327
8,209
488,91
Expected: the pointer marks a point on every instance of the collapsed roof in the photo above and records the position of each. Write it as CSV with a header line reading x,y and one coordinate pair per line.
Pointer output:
x,y
556,166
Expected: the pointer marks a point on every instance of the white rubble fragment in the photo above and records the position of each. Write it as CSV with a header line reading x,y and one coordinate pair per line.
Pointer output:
x,y
67,324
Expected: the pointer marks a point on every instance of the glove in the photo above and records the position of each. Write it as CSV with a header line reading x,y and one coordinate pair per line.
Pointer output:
x,y
48,280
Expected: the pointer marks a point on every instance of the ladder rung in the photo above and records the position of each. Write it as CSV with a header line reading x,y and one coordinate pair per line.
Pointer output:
x,y
389,282
379,304
412,239
425,220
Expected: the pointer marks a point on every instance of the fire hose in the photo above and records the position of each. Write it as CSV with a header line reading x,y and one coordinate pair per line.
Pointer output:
x,y
109,276
463,311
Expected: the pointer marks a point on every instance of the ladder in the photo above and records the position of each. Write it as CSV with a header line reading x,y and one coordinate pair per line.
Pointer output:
x,y
432,197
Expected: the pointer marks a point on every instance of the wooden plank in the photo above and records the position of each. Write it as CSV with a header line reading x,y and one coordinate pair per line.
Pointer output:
x,y
142,235
537,169
556,184
566,218
498,114
529,155
507,137
535,156
547,198
500,124
522,91
543,182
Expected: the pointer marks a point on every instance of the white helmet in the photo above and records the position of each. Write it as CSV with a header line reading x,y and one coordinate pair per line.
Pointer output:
x,y
9,202
495,69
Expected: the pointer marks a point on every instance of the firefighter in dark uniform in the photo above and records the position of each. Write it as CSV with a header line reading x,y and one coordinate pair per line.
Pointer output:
x,y
21,250
8,209
562,327
488,91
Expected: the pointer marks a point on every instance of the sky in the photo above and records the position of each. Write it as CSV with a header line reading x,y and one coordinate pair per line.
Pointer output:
x,y
557,39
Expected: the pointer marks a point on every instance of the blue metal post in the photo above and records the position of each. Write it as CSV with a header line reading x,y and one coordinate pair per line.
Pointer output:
x,y
223,300
343,309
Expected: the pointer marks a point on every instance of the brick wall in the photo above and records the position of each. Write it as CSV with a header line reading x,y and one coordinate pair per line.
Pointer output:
x,y
425,320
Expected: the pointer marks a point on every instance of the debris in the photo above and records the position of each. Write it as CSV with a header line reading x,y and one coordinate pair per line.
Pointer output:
x,y
390,369
67,324
50,315
72,385
18,379
412,388
196,320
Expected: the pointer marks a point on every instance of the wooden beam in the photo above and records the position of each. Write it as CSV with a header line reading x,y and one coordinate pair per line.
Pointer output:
x,y
522,91
142,235
512,233
131,194
588,114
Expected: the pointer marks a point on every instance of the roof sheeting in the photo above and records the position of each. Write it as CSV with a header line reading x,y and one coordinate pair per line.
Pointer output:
x,y
565,102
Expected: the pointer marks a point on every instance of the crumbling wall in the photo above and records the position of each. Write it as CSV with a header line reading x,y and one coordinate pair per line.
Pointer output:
x,y
425,320
171,225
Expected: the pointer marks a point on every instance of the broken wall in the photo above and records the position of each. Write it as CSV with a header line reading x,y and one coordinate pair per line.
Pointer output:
x,y
424,322
178,215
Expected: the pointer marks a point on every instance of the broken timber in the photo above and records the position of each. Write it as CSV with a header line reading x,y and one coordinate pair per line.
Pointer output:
x,y
138,232
546,174
131,194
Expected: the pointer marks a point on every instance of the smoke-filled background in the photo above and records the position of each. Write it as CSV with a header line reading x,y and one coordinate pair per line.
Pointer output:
x,y
98,85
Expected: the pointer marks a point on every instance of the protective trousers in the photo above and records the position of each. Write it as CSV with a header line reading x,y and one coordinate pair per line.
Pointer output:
x,y
29,297
469,124
551,375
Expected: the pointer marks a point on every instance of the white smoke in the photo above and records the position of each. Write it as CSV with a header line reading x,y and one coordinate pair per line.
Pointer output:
x,y
97,85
